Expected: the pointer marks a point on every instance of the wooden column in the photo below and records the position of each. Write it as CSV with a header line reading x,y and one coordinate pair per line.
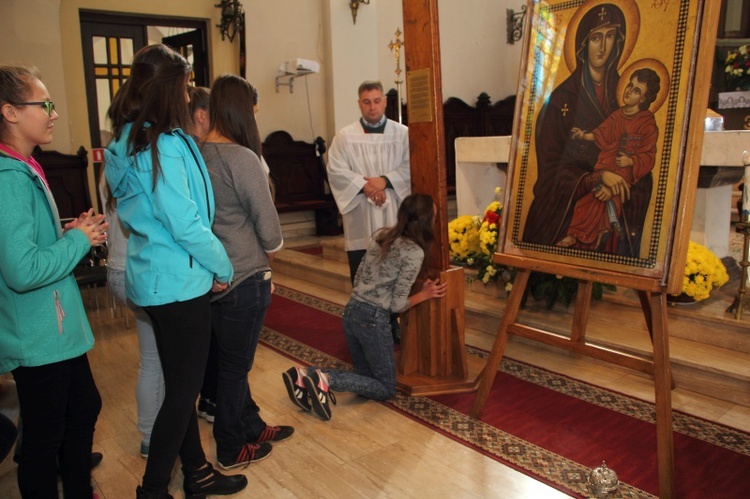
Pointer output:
x,y
433,358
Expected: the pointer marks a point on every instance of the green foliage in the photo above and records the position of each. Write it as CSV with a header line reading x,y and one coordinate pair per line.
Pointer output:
x,y
552,288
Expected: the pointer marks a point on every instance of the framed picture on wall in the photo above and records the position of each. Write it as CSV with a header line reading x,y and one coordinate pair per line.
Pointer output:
x,y
607,106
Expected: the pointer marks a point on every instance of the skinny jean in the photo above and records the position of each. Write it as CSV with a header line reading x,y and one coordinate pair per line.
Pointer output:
x,y
149,387
183,332
367,329
237,322
60,404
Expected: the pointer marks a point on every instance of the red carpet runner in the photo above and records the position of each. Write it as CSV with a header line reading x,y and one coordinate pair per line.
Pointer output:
x,y
546,425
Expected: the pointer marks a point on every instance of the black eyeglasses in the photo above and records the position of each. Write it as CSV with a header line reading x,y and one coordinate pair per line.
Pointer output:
x,y
48,106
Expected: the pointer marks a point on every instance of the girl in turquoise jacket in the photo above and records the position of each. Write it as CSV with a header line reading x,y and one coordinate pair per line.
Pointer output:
x,y
172,253
44,333
165,200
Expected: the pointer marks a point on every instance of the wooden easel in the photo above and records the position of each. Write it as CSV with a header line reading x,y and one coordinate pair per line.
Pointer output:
x,y
653,303
652,289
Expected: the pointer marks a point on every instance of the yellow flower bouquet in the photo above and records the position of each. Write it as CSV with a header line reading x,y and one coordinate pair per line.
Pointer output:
x,y
704,272
463,235
473,240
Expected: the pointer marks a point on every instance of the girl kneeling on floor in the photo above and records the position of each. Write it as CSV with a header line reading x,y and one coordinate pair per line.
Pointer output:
x,y
394,260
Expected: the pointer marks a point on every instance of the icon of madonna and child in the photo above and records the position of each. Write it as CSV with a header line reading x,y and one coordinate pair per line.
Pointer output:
x,y
596,140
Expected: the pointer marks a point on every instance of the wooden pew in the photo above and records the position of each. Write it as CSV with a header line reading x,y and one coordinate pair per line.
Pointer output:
x,y
299,176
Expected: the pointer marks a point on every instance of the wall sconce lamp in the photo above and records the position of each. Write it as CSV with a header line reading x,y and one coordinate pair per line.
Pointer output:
x,y
515,24
232,18
354,5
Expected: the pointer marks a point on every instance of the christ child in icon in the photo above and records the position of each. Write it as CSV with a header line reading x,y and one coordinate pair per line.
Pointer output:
x,y
627,141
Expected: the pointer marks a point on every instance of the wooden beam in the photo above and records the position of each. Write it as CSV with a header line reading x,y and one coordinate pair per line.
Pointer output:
x,y
433,358
425,107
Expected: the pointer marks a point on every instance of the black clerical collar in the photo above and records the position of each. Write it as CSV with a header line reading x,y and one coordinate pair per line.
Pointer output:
x,y
378,127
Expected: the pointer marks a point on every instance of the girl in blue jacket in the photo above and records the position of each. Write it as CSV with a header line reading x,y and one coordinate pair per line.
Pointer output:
x,y
44,333
165,200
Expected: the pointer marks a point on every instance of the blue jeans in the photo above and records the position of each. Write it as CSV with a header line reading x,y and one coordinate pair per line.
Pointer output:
x,y
367,329
149,387
237,319
59,405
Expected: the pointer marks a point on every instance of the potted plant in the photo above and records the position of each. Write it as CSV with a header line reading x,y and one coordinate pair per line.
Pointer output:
x,y
737,69
704,272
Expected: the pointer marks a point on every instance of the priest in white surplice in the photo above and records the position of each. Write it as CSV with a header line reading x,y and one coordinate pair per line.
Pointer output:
x,y
368,170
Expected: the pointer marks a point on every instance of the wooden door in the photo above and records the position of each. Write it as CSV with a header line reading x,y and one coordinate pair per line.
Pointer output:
x,y
107,55
192,46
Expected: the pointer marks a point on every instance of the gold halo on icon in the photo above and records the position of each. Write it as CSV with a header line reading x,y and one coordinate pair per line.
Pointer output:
x,y
663,83
632,28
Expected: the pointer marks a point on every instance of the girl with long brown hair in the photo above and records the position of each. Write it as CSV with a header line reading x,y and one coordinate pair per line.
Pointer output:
x,y
395,258
248,226
165,200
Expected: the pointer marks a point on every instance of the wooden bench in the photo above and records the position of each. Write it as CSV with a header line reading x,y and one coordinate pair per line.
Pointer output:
x,y
67,177
299,175
68,180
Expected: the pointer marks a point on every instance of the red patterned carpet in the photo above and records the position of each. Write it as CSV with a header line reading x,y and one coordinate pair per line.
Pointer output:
x,y
549,426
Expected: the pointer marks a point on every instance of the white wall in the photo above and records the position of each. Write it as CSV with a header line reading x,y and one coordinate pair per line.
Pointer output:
x,y
474,53
277,31
475,57
30,39
354,58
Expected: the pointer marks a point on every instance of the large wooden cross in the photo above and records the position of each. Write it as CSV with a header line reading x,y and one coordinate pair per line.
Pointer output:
x,y
433,358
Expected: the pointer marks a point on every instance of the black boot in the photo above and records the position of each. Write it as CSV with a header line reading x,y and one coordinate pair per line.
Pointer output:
x,y
142,494
207,481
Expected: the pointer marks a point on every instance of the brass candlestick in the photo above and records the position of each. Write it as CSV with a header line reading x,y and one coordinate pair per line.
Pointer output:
x,y
739,301
743,228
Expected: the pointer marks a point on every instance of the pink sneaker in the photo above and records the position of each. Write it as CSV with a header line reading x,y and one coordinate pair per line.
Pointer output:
x,y
320,395
295,387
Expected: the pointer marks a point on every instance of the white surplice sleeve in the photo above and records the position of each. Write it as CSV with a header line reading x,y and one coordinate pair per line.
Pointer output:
x,y
400,176
345,181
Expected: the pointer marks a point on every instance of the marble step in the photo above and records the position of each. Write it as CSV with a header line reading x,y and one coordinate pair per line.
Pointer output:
x,y
703,368
700,367
703,322
333,249
332,274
